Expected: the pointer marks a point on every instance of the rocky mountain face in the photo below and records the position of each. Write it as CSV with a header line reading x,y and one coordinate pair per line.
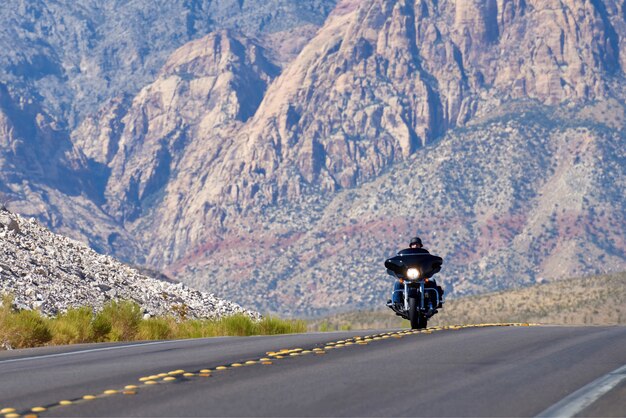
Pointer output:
x,y
69,65
282,165
52,273
71,56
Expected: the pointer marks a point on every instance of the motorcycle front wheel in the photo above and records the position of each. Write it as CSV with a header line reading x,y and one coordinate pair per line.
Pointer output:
x,y
417,319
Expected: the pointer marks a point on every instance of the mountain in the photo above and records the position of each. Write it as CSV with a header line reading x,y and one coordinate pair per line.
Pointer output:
x,y
67,64
71,56
282,166
52,273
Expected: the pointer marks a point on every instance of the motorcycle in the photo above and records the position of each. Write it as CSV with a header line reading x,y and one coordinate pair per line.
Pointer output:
x,y
422,297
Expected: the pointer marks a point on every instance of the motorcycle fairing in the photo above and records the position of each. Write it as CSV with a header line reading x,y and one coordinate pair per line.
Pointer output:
x,y
427,263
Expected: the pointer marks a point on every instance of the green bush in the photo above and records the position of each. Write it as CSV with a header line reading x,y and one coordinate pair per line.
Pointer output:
x,y
238,325
325,326
189,329
101,328
270,325
28,329
74,326
21,329
6,313
156,329
122,319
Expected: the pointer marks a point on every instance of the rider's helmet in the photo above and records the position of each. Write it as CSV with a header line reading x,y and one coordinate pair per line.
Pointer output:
x,y
415,241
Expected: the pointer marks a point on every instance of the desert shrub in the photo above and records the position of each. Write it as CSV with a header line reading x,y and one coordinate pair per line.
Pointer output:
x,y
270,325
239,325
195,328
21,329
30,329
5,319
25,329
121,318
100,328
123,321
156,329
74,326
325,326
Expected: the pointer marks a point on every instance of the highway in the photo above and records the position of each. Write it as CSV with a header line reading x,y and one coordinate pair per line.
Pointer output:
x,y
462,371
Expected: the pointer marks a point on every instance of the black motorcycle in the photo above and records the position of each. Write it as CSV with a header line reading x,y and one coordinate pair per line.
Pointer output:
x,y
422,297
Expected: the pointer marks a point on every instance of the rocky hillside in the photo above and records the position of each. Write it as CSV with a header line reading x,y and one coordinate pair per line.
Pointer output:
x,y
283,165
49,272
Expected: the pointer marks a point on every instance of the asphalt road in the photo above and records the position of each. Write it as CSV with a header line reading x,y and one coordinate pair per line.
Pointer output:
x,y
489,371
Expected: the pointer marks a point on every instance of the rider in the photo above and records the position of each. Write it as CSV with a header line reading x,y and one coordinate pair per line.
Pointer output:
x,y
415,246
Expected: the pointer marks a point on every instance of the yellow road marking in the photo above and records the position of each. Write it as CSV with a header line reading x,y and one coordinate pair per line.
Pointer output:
x,y
7,410
12,415
151,380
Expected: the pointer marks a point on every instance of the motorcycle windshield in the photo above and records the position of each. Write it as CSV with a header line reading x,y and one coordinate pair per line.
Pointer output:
x,y
425,262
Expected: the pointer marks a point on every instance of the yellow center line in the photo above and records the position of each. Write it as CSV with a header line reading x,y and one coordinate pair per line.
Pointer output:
x,y
279,354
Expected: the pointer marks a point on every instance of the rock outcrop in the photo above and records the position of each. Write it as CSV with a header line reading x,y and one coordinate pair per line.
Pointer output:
x,y
53,273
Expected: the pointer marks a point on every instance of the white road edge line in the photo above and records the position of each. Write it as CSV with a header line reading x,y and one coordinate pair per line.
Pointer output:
x,y
585,396
92,350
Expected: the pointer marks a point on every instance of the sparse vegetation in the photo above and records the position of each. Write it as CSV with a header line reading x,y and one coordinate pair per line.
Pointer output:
x,y
122,321
22,328
597,300
73,327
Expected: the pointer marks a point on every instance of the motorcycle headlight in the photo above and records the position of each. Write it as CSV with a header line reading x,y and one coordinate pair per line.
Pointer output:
x,y
413,273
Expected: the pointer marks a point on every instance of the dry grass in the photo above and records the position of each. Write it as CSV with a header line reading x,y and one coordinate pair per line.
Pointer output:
x,y
599,300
